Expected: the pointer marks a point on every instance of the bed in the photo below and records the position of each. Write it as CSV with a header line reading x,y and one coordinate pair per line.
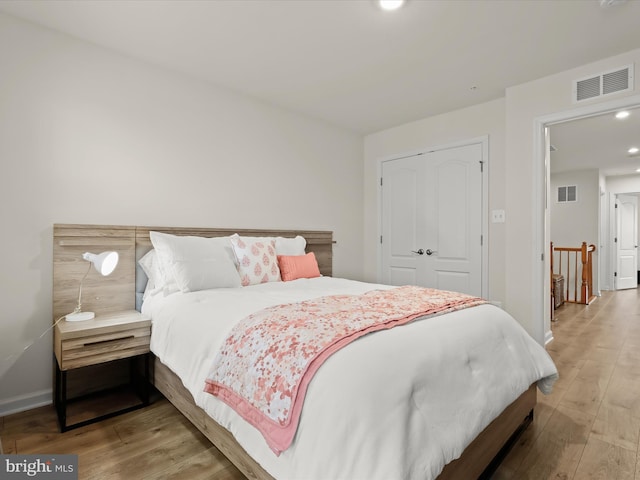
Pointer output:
x,y
455,443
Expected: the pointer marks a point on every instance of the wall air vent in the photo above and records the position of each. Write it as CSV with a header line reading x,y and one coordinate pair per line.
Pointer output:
x,y
606,83
567,194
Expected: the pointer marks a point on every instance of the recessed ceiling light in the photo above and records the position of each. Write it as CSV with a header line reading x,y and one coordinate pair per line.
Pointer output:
x,y
633,150
622,114
390,4
637,169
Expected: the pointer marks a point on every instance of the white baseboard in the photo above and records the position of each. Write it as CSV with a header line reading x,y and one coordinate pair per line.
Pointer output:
x,y
548,337
25,402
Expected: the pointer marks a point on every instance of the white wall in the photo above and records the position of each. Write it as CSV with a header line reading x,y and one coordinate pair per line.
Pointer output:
x,y
484,119
575,222
525,105
623,184
515,263
91,136
572,223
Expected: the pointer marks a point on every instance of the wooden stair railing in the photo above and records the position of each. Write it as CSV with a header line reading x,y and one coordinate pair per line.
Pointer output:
x,y
568,257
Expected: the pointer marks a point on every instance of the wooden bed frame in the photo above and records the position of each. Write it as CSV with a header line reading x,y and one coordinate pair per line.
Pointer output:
x,y
117,292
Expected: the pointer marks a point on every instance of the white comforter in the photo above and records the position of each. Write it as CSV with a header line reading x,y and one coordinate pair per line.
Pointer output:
x,y
395,404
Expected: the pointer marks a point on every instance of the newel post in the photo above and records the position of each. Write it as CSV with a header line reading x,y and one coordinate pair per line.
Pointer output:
x,y
585,275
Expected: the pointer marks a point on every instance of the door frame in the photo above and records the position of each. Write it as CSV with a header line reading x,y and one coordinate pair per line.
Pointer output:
x,y
541,281
484,142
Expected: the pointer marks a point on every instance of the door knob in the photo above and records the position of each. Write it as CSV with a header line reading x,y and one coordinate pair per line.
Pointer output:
x,y
421,251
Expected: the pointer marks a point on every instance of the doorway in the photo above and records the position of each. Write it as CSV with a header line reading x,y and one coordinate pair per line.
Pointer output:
x,y
541,214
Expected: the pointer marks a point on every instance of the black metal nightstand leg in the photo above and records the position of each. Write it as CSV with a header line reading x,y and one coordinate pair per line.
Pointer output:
x,y
145,388
61,397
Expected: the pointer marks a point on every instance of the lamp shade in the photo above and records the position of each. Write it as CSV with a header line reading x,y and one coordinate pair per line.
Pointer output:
x,y
105,263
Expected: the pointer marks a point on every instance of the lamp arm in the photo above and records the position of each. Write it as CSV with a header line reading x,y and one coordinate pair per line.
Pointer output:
x,y
78,308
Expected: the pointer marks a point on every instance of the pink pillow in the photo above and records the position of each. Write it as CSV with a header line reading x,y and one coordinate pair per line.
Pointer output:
x,y
298,266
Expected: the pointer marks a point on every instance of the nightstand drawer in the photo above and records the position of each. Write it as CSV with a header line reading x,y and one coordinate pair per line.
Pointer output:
x,y
100,348
106,337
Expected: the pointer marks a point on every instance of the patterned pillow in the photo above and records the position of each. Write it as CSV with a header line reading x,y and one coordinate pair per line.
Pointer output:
x,y
257,261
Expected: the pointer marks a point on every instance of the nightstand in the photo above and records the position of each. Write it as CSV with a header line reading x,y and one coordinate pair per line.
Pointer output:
x,y
105,339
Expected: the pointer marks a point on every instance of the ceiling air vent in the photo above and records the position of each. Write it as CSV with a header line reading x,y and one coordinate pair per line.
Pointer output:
x,y
614,81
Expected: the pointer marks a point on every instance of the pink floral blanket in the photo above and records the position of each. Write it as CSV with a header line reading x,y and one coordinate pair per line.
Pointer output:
x,y
266,363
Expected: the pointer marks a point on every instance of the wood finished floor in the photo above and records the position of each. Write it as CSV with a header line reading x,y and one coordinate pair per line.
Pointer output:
x,y
588,428
156,442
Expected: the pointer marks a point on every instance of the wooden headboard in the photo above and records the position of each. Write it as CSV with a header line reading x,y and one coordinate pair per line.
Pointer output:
x,y
117,291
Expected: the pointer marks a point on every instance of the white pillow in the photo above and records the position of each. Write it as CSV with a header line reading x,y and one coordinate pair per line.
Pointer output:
x,y
149,265
256,259
188,263
195,275
284,245
291,246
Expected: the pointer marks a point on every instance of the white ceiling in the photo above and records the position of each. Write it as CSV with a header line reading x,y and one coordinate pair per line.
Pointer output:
x,y
346,61
599,142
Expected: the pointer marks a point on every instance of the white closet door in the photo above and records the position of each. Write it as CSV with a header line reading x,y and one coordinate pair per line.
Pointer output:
x,y
432,220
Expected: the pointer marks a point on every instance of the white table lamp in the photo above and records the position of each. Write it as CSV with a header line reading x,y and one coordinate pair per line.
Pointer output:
x,y
105,263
